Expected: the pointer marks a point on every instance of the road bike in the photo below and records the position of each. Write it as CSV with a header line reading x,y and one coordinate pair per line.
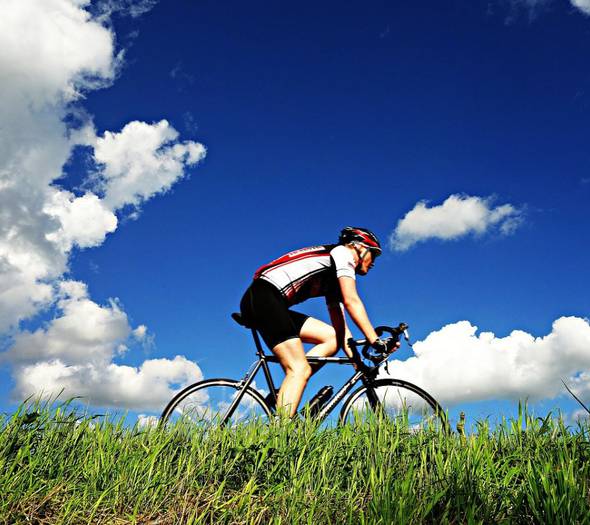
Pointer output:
x,y
222,401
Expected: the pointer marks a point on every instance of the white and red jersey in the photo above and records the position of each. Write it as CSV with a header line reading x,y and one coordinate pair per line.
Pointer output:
x,y
309,272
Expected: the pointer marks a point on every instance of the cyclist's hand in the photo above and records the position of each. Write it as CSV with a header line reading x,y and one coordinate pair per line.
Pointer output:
x,y
392,344
393,347
380,346
385,346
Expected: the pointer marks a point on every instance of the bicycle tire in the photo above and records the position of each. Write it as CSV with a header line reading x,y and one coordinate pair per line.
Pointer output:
x,y
202,404
400,401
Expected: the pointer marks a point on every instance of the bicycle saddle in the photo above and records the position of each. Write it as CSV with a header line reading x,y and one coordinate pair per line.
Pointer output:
x,y
239,318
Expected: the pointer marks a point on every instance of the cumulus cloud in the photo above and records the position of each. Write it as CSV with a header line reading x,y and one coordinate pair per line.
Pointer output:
x,y
85,332
146,387
76,353
50,50
141,161
582,5
51,53
82,221
456,364
456,217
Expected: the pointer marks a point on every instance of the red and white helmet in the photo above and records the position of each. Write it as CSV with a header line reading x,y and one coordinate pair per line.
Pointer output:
x,y
362,236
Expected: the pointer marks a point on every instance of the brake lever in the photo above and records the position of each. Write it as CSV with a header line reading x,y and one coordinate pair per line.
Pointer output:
x,y
393,349
407,339
406,335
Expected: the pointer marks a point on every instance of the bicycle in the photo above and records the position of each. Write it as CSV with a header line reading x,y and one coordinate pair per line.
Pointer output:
x,y
227,401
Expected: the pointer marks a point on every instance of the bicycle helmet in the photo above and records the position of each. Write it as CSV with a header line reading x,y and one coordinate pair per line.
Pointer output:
x,y
362,236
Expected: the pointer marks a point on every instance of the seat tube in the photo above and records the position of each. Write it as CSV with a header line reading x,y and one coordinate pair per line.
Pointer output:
x,y
265,368
259,349
245,383
268,377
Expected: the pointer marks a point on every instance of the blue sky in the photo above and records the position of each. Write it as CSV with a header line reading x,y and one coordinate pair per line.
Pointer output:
x,y
292,122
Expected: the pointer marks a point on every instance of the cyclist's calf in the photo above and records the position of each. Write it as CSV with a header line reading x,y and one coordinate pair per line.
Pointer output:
x,y
297,372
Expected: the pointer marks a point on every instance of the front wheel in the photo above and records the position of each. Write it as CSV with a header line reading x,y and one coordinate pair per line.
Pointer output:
x,y
207,403
398,401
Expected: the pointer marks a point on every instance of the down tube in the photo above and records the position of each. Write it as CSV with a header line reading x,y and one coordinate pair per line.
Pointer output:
x,y
346,388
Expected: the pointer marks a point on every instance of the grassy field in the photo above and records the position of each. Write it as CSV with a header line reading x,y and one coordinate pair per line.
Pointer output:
x,y
59,467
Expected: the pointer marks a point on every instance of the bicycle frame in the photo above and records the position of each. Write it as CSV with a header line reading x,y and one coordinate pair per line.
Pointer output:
x,y
264,360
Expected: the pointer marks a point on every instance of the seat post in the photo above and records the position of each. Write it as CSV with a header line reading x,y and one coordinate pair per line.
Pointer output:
x,y
259,349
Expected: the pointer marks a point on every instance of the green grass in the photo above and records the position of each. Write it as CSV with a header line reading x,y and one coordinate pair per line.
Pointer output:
x,y
59,467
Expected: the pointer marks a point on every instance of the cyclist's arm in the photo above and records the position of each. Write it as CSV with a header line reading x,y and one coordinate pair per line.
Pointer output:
x,y
355,307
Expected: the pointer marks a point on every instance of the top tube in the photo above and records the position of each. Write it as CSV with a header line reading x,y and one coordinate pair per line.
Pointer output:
x,y
312,359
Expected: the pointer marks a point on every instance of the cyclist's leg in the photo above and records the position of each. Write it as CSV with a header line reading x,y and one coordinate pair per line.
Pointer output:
x,y
297,372
280,329
322,335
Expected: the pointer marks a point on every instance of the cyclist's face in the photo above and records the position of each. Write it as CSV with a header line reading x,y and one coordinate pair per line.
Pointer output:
x,y
367,261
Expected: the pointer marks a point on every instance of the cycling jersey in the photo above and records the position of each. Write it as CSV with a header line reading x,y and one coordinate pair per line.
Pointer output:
x,y
309,272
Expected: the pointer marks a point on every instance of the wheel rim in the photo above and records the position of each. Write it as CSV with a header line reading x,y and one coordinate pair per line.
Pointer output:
x,y
208,406
398,404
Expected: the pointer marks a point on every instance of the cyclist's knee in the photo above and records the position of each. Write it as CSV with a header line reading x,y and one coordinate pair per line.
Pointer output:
x,y
332,344
300,370
329,342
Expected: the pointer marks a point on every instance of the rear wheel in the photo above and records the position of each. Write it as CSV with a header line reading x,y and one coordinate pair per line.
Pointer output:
x,y
399,402
206,403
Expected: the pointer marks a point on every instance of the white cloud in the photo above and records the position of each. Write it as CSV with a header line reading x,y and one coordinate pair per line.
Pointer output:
x,y
76,352
21,294
455,364
50,50
142,160
83,221
51,53
147,387
85,332
456,217
582,5
140,333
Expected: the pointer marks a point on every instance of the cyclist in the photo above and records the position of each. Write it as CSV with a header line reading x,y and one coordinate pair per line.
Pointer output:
x,y
329,271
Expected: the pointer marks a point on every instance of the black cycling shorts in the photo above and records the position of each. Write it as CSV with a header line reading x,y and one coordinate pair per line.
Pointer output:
x,y
266,309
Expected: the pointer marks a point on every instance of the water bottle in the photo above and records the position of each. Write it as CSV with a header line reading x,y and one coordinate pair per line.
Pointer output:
x,y
318,401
